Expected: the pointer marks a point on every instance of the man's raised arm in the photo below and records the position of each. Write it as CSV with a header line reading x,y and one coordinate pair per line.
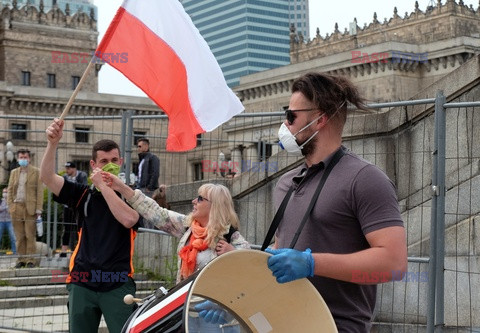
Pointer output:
x,y
47,168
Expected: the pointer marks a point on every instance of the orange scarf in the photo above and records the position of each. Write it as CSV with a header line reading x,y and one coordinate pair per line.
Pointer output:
x,y
188,253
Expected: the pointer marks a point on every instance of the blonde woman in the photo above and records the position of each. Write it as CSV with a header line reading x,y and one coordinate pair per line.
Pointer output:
x,y
210,230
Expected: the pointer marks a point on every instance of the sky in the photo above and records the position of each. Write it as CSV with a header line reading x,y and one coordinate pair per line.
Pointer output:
x,y
323,14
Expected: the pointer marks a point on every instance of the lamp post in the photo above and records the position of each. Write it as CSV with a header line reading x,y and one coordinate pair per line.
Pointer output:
x,y
7,159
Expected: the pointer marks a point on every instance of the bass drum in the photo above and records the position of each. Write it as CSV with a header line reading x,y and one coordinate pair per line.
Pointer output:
x,y
239,287
161,311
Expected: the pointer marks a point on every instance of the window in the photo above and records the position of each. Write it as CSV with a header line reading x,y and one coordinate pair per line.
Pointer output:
x,y
75,80
51,81
197,171
25,78
264,150
199,140
81,134
137,135
19,131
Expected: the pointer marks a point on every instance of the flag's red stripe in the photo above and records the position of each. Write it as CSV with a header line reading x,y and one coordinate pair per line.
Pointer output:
x,y
154,67
174,304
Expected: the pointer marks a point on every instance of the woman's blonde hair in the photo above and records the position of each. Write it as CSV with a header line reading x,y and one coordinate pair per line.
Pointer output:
x,y
222,213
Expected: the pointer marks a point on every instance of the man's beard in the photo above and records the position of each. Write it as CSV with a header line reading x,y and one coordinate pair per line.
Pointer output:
x,y
309,148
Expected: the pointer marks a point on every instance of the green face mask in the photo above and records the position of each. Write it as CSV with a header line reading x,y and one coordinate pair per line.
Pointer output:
x,y
112,168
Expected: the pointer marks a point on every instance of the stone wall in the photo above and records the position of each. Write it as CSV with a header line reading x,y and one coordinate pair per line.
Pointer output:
x,y
47,43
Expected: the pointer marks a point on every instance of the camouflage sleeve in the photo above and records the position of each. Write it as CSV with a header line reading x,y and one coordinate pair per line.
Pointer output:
x,y
156,217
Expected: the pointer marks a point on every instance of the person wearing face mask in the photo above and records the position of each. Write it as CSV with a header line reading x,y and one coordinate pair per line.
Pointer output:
x,y
101,269
348,227
25,201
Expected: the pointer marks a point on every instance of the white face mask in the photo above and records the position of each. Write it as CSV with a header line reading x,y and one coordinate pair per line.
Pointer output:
x,y
288,140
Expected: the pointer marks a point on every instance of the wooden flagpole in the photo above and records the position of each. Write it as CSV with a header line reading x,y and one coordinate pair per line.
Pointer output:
x,y
77,89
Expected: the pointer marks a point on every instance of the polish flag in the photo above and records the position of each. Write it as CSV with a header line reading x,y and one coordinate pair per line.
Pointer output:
x,y
170,61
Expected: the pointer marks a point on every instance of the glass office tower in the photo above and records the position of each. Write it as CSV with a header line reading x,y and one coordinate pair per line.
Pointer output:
x,y
246,36
299,17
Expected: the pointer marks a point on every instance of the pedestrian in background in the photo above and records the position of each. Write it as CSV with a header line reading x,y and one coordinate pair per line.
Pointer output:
x,y
25,201
69,217
148,169
6,222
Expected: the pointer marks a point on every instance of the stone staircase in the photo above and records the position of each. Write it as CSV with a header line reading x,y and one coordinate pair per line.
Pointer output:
x,y
34,299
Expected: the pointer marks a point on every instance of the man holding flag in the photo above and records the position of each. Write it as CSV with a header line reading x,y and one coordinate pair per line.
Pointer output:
x,y
170,61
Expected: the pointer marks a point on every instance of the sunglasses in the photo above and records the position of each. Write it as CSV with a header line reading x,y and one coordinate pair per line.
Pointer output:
x,y
200,198
290,114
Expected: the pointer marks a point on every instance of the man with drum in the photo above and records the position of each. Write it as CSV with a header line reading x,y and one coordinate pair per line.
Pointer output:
x,y
353,225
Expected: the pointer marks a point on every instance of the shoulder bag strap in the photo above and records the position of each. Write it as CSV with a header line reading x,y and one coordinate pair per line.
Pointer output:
x,y
338,155
277,219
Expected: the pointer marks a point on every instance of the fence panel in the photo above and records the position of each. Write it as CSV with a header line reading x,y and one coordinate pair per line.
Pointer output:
x,y
243,155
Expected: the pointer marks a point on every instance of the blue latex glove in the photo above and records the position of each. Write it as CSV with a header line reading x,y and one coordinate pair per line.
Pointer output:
x,y
289,264
211,312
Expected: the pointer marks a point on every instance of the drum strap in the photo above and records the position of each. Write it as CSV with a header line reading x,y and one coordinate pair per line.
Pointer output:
x,y
276,219
279,215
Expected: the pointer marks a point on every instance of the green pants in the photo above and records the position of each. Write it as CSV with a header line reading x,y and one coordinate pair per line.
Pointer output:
x,y
85,308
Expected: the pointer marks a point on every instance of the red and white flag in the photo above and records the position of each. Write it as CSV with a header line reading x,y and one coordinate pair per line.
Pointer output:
x,y
164,55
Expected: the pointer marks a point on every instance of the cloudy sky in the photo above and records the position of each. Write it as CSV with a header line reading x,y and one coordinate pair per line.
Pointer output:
x,y
322,15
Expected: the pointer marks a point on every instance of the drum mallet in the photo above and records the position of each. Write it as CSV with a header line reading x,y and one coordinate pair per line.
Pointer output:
x,y
129,299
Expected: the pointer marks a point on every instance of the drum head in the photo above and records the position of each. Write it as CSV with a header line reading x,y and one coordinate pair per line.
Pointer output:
x,y
241,283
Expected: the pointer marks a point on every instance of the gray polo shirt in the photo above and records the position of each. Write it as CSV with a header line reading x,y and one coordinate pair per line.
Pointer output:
x,y
356,199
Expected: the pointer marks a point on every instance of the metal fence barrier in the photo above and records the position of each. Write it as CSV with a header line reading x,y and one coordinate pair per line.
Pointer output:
x,y
429,148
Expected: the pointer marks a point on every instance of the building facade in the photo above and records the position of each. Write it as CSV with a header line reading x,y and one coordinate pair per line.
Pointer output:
x,y
49,49
246,36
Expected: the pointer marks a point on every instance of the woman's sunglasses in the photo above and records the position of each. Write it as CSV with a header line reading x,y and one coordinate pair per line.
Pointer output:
x,y
200,198
290,114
